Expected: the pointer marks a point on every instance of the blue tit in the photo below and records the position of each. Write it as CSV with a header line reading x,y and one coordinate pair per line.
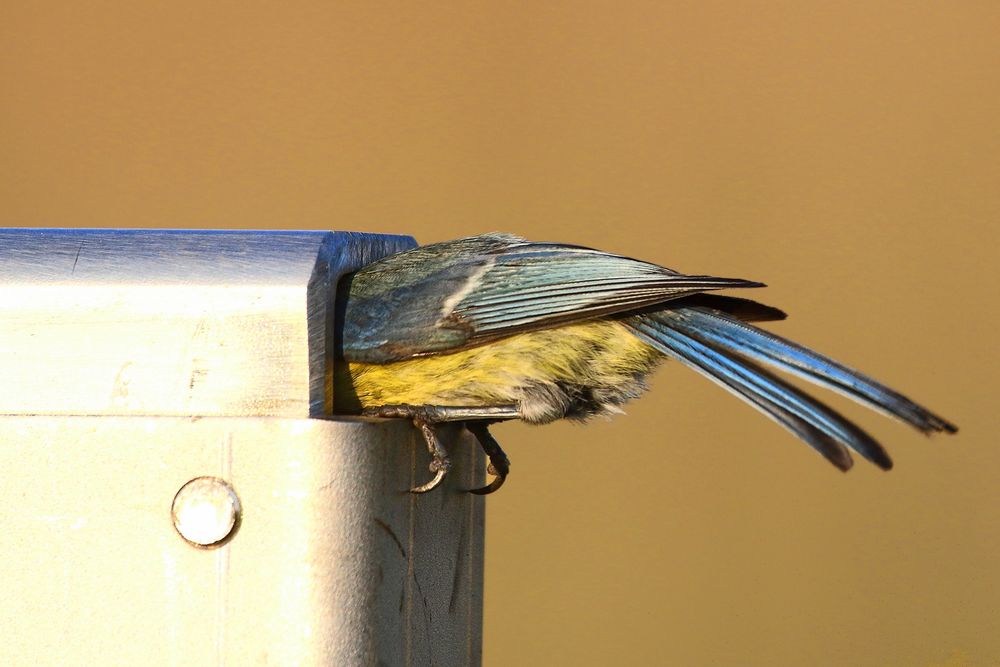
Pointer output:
x,y
495,327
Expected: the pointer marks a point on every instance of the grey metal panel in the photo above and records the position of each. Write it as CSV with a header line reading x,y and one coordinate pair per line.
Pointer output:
x,y
133,362
333,563
172,256
157,322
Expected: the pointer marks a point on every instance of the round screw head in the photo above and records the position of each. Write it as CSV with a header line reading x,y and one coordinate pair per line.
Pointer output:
x,y
206,511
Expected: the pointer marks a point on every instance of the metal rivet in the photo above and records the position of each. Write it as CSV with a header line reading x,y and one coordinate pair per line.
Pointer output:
x,y
206,511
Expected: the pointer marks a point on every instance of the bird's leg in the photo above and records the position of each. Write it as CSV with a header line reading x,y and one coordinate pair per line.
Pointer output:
x,y
425,417
499,463
439,457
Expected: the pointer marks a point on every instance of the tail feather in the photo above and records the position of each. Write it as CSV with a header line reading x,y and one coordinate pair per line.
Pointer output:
x,y
817,424
745,310
726,333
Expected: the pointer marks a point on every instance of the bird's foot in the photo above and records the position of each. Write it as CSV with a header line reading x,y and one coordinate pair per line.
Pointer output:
x,y
439,465
424,417
477,419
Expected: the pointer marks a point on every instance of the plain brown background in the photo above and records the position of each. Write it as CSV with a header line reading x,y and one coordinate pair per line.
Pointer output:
x,y
848,154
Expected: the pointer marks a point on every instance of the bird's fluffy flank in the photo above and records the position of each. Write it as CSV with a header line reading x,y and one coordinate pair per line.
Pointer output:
x,y
574,371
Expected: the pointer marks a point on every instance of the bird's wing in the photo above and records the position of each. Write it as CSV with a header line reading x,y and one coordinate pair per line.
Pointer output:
x,y
448,296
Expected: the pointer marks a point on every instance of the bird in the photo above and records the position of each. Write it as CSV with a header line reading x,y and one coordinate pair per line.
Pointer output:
x,y
494,327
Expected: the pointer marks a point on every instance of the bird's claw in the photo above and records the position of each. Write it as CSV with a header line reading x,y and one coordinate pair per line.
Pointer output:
x,y
431,485
499,463
491,487
477,420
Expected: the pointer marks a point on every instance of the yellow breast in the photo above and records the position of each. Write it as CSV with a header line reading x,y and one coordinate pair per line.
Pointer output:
x,y
601,354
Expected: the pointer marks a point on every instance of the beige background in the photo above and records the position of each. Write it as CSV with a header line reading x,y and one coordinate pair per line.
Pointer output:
x,y
846,153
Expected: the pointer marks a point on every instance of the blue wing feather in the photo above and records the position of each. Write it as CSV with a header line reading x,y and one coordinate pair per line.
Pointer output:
x,y
727,333
794,409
